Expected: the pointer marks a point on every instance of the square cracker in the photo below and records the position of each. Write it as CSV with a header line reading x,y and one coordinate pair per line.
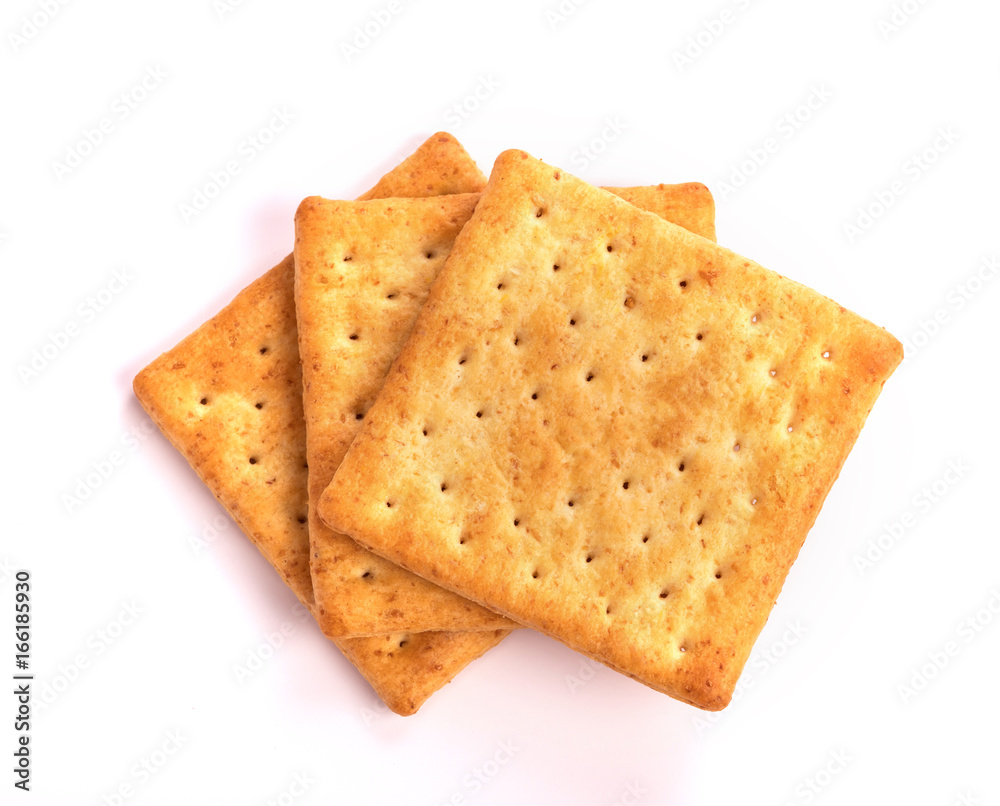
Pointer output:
x,y
232,391
625,454
362,272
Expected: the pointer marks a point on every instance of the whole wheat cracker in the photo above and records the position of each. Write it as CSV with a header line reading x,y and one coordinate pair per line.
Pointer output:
x,y
354,310
689,205
626,453
406,668
231,392
363,270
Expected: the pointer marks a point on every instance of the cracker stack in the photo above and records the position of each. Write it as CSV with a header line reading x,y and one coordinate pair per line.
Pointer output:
x,y
549,405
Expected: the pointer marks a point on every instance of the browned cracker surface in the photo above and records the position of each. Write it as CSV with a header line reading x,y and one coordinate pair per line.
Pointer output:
x,y
406,668
229,397
363,271
611,430
689,205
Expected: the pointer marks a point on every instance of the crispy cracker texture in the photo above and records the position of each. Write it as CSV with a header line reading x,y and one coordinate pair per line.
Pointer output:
x,y
363,271
406,668
440,167
611,430
689,205
229,398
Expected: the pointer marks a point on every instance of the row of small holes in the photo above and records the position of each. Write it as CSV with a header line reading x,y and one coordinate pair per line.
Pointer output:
x,y
204,402
573,322
630,302
517,341
302,519
349,258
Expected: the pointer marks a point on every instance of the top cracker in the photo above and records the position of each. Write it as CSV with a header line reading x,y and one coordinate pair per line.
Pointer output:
x,y
611,430
362,273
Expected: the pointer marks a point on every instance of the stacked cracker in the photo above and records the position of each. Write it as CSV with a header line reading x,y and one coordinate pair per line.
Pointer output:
x,y
457,410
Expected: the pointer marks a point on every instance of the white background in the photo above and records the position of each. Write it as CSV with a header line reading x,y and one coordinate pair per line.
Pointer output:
x,y
831,693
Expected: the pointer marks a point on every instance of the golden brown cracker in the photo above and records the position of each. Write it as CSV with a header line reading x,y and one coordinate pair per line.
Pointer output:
x,y
611,430
406,668
229,397
363,271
